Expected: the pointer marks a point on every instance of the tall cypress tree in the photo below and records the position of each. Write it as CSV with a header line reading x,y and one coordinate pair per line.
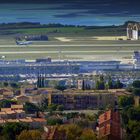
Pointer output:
x,y
83,85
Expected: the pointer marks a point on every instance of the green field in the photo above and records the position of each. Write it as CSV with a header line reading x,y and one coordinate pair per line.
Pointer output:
x,y
81,44
66,31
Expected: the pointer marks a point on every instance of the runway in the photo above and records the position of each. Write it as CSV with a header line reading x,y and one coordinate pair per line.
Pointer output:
x,y
40,52
69,45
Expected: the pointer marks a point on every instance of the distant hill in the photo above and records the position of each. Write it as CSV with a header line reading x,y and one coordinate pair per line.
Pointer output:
x,y
26,25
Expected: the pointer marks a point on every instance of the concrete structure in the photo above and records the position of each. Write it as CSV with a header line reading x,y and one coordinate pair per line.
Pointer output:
x,y
82,100
22,70
89,66
133,31
136,59
110,125
137,101
86,84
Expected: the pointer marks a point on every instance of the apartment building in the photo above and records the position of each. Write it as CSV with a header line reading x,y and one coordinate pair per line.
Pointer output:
x,y
82,100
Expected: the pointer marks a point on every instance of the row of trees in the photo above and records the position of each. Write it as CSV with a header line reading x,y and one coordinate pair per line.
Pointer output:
x,y
131,122
130,113
29,135
10,84
9,131
74,132
136,88
102,84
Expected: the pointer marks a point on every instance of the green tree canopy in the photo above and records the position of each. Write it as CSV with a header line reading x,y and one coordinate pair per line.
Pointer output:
x,y
10,130
136,88
31,108
6,103
134,130
136,84
88,134
30,135
54,121
125,101
60,107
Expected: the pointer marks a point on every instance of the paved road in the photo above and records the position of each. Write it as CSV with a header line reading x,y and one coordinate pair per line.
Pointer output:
x,y
70,45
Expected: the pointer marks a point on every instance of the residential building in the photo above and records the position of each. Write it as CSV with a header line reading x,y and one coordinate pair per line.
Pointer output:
x,y
22,99
17,114
9,113
82,100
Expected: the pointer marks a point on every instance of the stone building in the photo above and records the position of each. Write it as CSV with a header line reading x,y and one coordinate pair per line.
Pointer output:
x,y
82,100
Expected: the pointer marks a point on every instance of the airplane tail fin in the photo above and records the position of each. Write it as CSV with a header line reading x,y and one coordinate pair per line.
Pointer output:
x,y
17,42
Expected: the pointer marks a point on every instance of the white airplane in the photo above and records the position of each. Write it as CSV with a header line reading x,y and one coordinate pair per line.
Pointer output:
x,y
23,42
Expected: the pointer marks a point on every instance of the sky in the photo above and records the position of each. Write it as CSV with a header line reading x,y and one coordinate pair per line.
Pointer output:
x,y
71,1
83,12
129,5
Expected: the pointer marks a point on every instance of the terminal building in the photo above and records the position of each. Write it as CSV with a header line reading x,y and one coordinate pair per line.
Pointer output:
x,y
133,31
47,66
90,66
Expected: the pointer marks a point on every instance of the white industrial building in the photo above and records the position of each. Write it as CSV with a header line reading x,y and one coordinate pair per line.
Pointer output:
x,y
133,31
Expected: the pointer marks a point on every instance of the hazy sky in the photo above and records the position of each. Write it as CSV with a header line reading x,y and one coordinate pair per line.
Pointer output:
x,y
86,4
83,12
72,1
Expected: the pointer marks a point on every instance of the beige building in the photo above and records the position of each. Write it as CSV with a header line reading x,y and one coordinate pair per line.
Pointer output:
x,y
22,99
8,113
137,100
82,100
17,114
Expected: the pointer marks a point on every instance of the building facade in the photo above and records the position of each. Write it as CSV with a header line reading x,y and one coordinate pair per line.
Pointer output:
x,y
84,100
110,125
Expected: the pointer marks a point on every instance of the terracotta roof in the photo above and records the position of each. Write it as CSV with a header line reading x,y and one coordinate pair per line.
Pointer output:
x,y
16,106
2,113
12,120
39,119
5,109
19,111
21,96
27,120
10,112
2,121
